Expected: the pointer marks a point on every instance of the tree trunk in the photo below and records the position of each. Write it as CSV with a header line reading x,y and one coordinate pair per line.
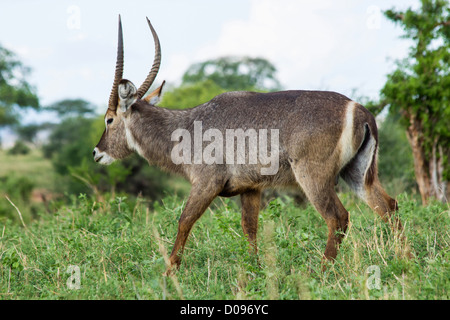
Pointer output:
x,y
428,171
438,184
413,133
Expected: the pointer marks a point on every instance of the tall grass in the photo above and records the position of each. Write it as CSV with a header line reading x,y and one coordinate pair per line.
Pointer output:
x,y
118,248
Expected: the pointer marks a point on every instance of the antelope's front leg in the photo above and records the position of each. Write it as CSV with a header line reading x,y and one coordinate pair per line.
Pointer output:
x,y
199,199
250,210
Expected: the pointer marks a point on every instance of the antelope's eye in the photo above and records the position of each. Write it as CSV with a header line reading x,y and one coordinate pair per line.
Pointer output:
x,y
109,121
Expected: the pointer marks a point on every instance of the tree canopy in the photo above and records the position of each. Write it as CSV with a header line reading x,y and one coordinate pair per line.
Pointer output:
x,y
203,81
72,107
191,95
15,91
235,73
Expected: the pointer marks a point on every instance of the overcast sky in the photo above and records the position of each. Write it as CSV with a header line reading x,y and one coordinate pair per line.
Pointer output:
x,y
323,44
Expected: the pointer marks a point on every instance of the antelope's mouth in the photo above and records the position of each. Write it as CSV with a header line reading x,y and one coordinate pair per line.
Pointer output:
x,y
103,158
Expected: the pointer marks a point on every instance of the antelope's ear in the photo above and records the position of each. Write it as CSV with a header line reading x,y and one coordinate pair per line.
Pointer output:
x,y
155,96
127,94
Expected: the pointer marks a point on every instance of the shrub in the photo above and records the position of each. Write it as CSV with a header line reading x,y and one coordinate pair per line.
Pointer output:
x,y
19,148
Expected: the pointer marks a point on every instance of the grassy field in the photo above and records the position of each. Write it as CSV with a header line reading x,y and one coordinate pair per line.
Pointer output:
x,y
32,165
117,249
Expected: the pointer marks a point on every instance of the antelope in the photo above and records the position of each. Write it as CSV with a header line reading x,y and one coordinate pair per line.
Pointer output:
x,y
322,136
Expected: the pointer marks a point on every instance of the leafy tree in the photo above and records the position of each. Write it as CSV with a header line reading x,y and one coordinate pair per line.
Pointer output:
x,y
72,107
19,148
203,81
235,73
191,95
28,133
15,91
67,143
418,90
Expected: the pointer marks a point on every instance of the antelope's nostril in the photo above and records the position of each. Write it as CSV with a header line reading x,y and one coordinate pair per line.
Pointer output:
x,y
93,153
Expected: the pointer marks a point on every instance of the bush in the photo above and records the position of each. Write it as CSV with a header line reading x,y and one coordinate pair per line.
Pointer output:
x,y
18,189
19,148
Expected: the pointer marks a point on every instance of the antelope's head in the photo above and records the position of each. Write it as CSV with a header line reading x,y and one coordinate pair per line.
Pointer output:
x,y
113,144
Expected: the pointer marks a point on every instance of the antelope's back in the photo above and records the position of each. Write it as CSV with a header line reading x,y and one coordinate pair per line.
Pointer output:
x,y
306,112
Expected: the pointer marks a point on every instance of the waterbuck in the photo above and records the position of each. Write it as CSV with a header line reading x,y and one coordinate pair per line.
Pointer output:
x,y
316,136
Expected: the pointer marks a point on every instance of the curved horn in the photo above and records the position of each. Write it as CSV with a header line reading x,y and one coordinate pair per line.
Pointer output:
x,y
155,68
113,97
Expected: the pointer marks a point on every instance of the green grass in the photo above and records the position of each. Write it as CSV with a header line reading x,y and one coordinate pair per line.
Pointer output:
x,y
118,250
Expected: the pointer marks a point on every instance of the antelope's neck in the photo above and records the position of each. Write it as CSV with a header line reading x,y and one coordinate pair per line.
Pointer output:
x,y
149,130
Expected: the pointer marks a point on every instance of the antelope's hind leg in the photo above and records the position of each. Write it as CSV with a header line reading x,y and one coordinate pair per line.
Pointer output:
x,y
319,189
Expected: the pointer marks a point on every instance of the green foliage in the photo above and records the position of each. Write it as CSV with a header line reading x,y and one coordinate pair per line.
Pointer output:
x,y
69,143
70,148
395,160
72,108
19,148
33,166
234,73
28,132
148,181
203,81
119,246
15,91
16,186
418,88
18,189
190,95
